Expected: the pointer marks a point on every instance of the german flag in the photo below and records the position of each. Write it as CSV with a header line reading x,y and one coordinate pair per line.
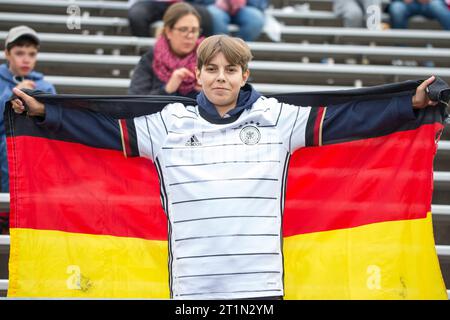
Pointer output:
x,y
87,222
358,224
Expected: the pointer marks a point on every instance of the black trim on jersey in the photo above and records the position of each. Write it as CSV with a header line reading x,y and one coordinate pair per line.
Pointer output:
x,y
283,198
293,127
214,163
182,117
160,115
165,204
132,138
278,118
162,187
230,235
223,198
309,132
259,110
192,111
230,179
150,137
231,254
284,181
224,217
226,274
170,260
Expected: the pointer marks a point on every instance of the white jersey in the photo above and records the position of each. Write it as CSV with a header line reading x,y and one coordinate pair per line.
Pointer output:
x,y
222,187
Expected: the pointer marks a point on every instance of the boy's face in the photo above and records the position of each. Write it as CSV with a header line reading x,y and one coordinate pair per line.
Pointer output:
x,y
21,60
221,82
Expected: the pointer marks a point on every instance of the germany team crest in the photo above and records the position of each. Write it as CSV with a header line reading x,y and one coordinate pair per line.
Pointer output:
x,y
250,135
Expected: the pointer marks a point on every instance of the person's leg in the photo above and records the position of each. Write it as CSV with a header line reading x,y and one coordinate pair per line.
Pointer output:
x,y
350,12
437,9
220,20
142,14
250,21
207,23
400,13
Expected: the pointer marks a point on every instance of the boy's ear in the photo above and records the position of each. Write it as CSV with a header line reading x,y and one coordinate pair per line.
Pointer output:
x,y
245,76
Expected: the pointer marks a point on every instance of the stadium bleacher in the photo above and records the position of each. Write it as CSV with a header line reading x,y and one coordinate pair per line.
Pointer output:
x,y
100,56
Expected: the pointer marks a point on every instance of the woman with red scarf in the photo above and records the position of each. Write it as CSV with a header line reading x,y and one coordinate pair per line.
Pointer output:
x,y
169,68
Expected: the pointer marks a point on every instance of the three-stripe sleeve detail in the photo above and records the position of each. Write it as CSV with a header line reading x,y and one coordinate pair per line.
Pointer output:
x,y
129,137
314,127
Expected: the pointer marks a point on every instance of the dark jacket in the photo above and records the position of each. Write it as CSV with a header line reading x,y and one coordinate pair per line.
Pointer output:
x,y
145,82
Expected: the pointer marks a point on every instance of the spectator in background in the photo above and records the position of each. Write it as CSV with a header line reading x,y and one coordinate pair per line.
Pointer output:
x,y
354,12
247,14
143,13
401,10
169,68
21,48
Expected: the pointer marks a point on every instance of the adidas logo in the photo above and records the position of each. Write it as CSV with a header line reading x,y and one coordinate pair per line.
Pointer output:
x,y
193,142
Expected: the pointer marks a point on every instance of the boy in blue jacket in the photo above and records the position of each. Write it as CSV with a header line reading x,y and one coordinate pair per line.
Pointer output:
x,y
21,48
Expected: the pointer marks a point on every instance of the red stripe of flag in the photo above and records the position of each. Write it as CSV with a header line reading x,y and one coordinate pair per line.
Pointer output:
x,y
349,184
84,190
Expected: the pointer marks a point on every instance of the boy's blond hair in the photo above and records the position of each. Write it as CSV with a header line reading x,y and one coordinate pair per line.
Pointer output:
x,y
235,50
